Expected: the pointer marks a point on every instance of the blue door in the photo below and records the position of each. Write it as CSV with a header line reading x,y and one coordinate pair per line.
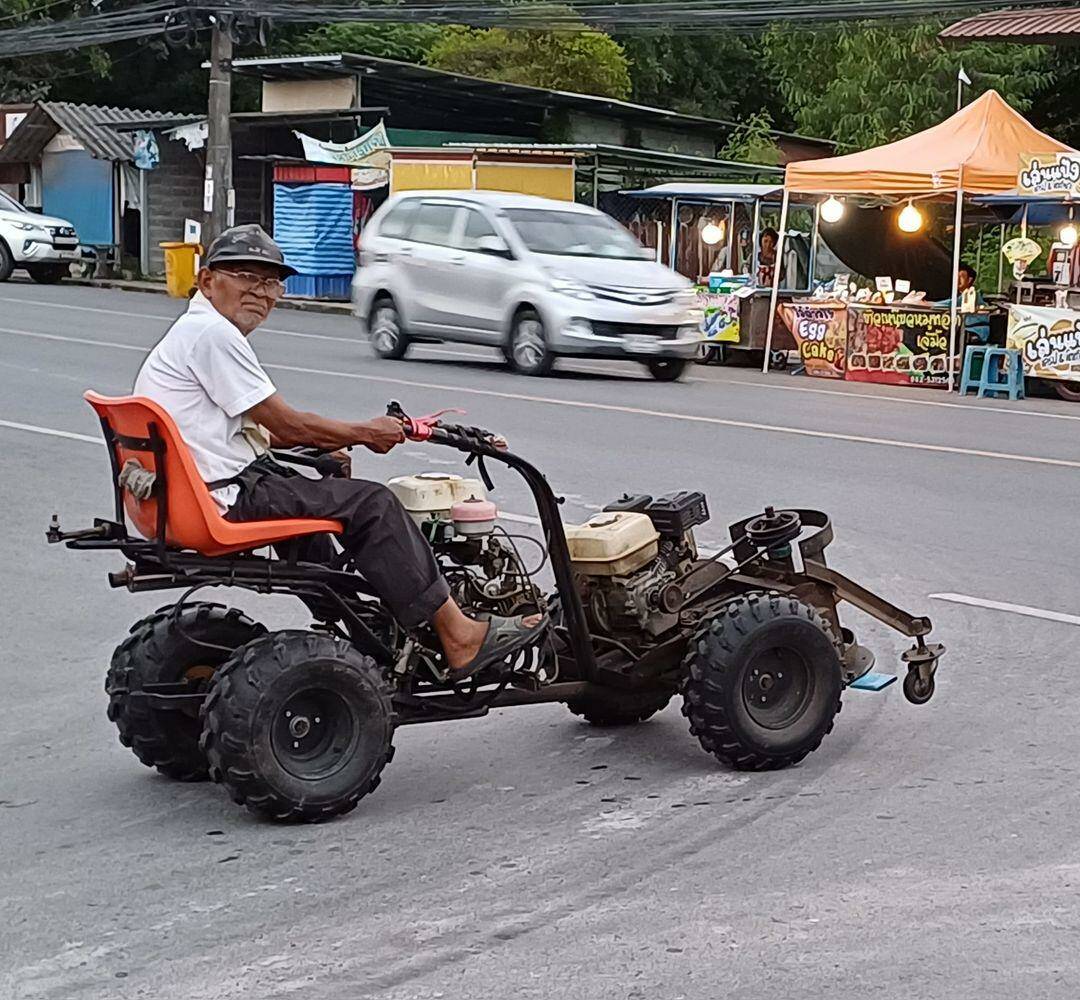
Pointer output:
x,y
79,188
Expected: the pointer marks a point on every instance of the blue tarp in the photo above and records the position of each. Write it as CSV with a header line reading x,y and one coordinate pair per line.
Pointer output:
x,y
78,188
313,227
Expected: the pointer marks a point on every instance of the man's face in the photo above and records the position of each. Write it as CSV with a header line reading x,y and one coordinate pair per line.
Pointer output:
x,y
768,244
243,293
963,280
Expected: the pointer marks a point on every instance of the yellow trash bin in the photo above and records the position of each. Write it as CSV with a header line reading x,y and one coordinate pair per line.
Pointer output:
x,y
180,268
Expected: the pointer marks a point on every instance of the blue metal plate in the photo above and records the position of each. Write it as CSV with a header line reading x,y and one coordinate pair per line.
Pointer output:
x,y
873,682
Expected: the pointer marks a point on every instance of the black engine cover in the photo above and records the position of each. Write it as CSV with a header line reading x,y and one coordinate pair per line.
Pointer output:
x,y
672,515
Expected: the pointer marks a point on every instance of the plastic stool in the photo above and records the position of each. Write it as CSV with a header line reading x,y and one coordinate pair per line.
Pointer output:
x,y
969,380
1002,372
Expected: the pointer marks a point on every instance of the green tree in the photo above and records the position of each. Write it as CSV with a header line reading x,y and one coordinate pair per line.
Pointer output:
x,y
864,85
712,74
586,62
407,42
752,141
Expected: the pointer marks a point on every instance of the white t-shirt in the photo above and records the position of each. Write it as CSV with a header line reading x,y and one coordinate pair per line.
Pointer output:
x,y
205,375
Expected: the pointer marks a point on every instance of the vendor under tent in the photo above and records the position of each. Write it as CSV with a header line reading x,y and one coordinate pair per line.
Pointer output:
x,y
974,152
712,234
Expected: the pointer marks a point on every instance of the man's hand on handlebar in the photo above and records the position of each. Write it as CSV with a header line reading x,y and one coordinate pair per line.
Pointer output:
x,y
385,433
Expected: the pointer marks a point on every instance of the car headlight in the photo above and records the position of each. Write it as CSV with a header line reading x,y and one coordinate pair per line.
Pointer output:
x,y
686,296
574,289
29,227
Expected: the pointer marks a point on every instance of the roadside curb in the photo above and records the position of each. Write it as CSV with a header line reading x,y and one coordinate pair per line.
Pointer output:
x,y
156,288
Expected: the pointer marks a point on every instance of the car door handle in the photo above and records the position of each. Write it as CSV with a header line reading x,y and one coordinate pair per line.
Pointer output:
x,y
457,261
405,252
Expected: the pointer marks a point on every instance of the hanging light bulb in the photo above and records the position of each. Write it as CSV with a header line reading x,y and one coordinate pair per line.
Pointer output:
x,y
712,234
832,209
1068,235
911,220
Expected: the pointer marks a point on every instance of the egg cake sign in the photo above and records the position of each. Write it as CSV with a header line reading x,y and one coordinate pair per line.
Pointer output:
x,y
1048,340
1049,174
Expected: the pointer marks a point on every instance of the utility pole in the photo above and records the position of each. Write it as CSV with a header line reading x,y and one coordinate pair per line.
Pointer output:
x,y
218,196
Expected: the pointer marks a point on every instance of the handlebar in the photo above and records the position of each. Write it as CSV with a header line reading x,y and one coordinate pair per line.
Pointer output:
x,y
475,440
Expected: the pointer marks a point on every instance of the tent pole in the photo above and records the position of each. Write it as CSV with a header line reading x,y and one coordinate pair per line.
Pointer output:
x,y
776,278
1001,258
955,279
671,242
754,237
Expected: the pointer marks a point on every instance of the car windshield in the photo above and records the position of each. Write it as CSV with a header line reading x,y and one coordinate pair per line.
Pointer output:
x,y
9,204
573,234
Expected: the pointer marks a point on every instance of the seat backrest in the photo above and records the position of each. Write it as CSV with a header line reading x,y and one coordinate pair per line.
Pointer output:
x,y
132,424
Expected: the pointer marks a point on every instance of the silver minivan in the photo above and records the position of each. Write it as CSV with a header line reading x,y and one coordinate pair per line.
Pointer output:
x,y
534,277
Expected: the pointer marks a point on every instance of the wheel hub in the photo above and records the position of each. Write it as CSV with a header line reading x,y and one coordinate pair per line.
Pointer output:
x,y
777,688
313,733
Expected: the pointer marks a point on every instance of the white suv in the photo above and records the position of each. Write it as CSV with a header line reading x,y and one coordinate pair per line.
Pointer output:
x,y
533,277
41,245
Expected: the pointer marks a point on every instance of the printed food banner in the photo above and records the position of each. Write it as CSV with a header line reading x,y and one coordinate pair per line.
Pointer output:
x,y
1048,340
898,345
820,331
721,317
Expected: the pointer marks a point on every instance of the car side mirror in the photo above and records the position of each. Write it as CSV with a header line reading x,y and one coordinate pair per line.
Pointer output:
x,y
494,247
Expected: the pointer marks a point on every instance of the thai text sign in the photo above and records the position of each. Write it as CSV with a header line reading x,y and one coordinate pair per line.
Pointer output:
x,y
1048,341
1049,174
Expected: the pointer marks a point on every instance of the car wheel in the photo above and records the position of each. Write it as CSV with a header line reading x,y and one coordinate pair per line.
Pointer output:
x,y
7,263
1066,390
387,331
528,346
666,369
48,274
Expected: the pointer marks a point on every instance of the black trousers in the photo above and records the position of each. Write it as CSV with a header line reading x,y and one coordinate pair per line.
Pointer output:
x,y
383,541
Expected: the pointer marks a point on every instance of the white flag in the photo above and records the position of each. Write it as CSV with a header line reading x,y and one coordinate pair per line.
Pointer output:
x,y
963,77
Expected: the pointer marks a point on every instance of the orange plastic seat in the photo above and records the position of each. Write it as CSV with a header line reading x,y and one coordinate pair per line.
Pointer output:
x,y
192,521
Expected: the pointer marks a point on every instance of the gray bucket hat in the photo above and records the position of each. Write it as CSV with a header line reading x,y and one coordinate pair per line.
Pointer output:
x,y
248,244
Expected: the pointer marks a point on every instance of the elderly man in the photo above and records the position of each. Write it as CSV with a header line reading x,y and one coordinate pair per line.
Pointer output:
x,y
205,374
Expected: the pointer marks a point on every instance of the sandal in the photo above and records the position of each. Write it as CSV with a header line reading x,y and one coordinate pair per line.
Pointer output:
x,y
505,637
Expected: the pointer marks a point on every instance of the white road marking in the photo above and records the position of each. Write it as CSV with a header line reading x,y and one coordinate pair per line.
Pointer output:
x,y
614,408
973,407
1015,609
89,309
52,431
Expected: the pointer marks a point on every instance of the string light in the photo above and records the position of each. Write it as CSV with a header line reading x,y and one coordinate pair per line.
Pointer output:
x,y
832,209
911,220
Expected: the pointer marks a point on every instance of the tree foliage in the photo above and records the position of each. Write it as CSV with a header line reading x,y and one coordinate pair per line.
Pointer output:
x,y
406,42
864,85
587,62
752,141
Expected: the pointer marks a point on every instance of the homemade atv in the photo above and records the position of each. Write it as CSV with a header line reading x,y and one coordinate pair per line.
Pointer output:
x,y
299,723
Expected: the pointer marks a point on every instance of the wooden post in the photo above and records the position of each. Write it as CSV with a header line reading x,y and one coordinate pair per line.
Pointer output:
x,y
776,279
219,155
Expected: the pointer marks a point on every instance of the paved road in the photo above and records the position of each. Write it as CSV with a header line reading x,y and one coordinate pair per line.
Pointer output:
x,y
921,853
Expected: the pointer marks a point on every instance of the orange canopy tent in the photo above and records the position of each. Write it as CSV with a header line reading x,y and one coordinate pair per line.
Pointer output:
x,y
976,151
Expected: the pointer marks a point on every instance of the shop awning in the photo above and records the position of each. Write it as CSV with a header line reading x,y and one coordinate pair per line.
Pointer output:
x,y
978,149
709,192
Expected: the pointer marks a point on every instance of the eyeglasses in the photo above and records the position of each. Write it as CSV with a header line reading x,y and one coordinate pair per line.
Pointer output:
x,y
251,282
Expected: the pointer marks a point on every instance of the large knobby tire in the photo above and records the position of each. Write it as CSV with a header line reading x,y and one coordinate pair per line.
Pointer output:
x,y
618,708
160,650
527,347
298,726
763,682
7,262
386,329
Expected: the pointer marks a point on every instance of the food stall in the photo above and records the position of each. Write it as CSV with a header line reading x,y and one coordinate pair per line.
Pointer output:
x,y
974,152
717,237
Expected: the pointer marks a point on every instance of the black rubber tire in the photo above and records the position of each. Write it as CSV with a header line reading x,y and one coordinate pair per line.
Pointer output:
x,y
719,665
1069,391
158,651
7,262
543,362
916,690
667,369
48,274
394,347
248,700
619,708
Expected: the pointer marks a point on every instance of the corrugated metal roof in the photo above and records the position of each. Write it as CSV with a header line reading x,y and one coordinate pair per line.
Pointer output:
x,y
1029,26
102,131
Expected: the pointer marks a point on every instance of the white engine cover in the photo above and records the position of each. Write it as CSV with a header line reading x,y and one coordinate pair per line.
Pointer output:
x,y
430,495
612,543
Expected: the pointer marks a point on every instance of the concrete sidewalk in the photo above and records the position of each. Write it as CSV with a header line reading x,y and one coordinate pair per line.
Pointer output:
x,y
158,287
